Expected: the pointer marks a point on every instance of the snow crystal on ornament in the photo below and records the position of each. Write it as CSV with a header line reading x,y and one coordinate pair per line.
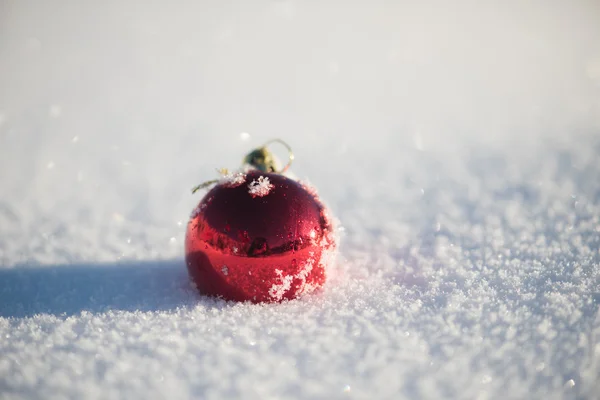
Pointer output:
x,y
309,188
233,179
305,287
277,291
196,211
260,188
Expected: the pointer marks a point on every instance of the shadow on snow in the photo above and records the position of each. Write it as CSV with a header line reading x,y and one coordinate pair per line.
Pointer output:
x,y
70,289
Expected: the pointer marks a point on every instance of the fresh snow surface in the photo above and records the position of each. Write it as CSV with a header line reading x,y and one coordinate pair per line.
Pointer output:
x,y
458,142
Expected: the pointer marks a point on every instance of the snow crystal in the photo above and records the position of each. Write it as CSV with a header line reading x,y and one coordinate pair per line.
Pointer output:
x,y
197,210
309,187
244,136
305,270
260,188
233,179
277,291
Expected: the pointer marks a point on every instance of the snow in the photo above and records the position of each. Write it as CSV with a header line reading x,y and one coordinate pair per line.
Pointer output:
x,y
457,142
261,187
277,291
233,179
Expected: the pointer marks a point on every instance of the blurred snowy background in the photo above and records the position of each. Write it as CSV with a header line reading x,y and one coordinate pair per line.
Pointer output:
x,y
458,142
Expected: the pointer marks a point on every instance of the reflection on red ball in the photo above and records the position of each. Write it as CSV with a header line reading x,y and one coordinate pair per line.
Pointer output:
x,y
260,237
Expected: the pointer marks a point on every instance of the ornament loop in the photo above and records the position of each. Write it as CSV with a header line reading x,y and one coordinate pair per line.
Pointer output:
x,y
290,154
264,160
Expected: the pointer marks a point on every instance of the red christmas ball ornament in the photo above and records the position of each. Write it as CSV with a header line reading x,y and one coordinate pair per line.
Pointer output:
x,y
259,235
